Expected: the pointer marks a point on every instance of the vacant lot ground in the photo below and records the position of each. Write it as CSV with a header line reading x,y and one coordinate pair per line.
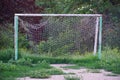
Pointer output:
x,y
82,73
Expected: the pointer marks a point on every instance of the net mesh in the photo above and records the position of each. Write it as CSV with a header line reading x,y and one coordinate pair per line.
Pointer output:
x,y
59,35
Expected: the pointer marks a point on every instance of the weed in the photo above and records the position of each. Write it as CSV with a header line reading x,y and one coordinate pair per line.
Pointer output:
x,y
71,73
39,74
44,64
45,73
112,74
72,67
93,70
23,61
6,54
7,66
71,77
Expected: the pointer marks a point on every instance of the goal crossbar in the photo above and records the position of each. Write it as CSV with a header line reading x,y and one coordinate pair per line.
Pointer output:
x,y
28,15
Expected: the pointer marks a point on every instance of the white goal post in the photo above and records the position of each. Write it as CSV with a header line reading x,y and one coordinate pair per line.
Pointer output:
x,y
98,29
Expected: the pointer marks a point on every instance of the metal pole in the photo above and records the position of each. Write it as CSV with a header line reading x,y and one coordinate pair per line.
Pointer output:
x,y
100,37
16,36
96,36
28,15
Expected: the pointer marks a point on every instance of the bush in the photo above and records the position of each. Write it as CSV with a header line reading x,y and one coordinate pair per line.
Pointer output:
x,y
23,61
42,47
61,59
63,50
44,64
6,36
51,60
7,66
6,54
111,60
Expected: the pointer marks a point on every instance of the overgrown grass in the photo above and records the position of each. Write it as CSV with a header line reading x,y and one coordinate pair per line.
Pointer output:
x,y
110,60
61,59
40,70
72,67
7,54
45,73
70,77
35,64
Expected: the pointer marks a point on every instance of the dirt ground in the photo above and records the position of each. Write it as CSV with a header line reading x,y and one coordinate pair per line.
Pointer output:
x,y
83,73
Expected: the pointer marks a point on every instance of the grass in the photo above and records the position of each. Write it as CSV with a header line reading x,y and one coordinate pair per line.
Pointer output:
x,y
45,73
110,60
20,72
69,59
72,67
71,77
39,75
71,73
112,74
94,70
37,71
39,66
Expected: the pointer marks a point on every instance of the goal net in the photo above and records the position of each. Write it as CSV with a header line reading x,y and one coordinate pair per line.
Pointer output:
x,y
58,34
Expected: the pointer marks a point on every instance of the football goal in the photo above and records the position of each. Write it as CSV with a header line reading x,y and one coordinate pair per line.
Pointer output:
x,y
58,34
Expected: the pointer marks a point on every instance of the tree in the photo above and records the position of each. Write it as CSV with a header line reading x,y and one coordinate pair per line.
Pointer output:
x,y
10,7
108,8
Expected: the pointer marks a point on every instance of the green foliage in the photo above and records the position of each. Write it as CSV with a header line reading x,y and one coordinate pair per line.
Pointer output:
x,y
101,6
7,66
112,74
111,60
109,8
64,50
45,73
6,54
64,6
44,64
53,47
54,71
61,39
21,68
78,59
72,67
94,70
113,36
43,47
81,6
23,61
38,59
72,78
39,74
23,42
6,36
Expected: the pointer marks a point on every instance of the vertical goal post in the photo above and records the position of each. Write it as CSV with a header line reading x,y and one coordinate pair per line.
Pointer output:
x,y
98,29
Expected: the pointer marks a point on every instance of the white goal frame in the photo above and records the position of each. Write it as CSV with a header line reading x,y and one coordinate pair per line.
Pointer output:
x,y
97,38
